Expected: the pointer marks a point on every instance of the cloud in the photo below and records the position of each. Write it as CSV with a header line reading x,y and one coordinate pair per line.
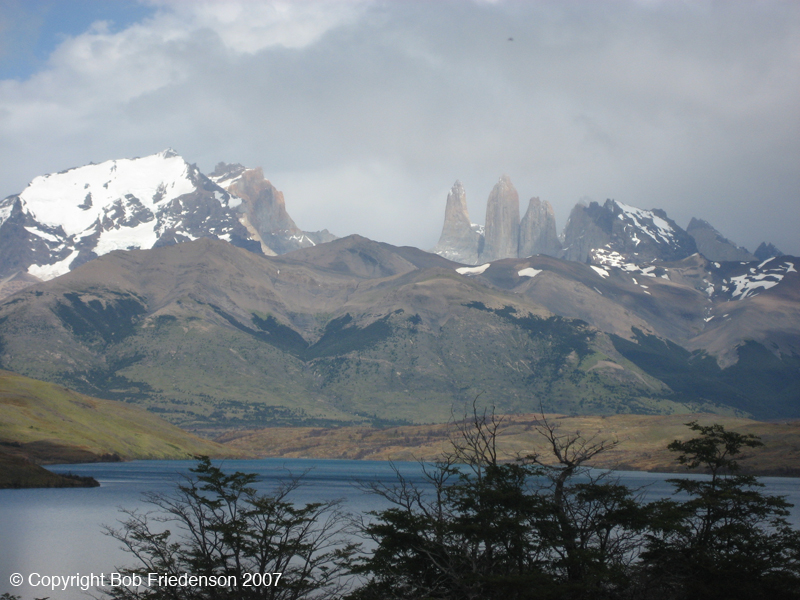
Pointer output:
x,y
248,27
364,113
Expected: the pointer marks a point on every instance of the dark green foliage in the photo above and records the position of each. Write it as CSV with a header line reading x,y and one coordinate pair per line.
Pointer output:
x,y
165,320
542,529
94,321
520,530
728,541
340,337
279,335
224,527
562,336
696,376
760,374
269,331
108,383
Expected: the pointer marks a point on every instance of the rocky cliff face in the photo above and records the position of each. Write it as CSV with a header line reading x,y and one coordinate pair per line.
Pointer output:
x,y
460,241
587,228
504,235
711,243
537,230
264,211
502,222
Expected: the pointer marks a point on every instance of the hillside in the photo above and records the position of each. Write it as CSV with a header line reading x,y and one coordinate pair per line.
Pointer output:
x,y
43,423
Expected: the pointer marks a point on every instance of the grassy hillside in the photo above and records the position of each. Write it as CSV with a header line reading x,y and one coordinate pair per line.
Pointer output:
x,y
47,423
642,440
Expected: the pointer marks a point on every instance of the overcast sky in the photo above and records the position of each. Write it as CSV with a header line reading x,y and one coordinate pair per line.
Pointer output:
x,y
364,113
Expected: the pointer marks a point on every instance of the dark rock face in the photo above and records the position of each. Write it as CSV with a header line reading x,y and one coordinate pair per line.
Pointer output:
x,y
460,240
711,244
588,227
636,234
537,230
502,222
765,251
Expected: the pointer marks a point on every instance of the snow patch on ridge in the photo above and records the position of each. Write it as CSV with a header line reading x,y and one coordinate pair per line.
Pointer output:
x,y
46,272
5,212
610,258
473,270
126,238
756,280
529,272
659,229
42,234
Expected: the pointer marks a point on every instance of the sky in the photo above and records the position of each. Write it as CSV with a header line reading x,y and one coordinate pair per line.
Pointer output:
x,y
365,112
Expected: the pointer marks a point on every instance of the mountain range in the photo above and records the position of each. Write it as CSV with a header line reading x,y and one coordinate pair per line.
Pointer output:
x,y
642,236
198,298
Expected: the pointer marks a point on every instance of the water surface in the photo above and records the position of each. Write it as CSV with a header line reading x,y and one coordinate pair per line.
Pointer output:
x,y
60,531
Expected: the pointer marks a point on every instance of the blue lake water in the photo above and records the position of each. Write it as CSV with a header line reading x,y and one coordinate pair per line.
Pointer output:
x,y
60,531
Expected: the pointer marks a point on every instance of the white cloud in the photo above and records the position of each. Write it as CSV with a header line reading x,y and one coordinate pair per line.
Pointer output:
x,y
246,26
379,106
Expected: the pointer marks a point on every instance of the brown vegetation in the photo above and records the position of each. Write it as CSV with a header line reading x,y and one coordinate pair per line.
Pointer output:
x,y
642,441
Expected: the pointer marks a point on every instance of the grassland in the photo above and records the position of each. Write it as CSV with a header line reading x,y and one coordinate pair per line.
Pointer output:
x,y
642,441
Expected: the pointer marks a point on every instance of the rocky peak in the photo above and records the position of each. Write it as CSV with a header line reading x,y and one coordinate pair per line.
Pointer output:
x,y
460,241
537,230
587,228
224,173
168,153
502,222
637,234
765,251
711,244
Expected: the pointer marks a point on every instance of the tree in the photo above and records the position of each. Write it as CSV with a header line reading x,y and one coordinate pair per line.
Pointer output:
x,y
247,544
594,523
488,529
728,540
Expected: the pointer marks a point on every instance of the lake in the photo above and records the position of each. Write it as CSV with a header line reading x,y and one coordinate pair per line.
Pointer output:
x,y
60,531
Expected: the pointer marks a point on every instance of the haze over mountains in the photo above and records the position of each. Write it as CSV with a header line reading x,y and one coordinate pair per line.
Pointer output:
x,y
199,298
641,235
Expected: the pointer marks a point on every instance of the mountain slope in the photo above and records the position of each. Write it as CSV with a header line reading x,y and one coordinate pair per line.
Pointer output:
x,y
347,331
211,336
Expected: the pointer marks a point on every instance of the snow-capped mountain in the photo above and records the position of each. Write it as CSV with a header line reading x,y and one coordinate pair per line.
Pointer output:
x,y
63,220
636,234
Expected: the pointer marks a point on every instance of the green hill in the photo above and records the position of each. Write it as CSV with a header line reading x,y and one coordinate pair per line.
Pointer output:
x,y
44,423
